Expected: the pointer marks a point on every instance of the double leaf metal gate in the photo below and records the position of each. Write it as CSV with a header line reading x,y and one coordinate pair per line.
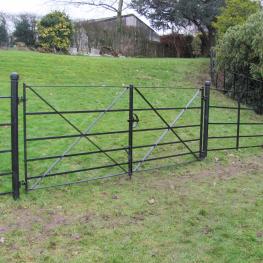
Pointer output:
x,y
140,132
126,163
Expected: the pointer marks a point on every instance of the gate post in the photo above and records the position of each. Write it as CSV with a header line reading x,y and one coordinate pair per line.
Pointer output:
x,y
238,124
130,151
206,117
201,157
14,134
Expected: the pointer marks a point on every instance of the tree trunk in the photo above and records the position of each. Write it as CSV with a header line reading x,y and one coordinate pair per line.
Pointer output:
x,y
119,25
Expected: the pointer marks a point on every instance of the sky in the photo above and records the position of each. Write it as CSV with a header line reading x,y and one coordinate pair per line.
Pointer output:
x,y
42,7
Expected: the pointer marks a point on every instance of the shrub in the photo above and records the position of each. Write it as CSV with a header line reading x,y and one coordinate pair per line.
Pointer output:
x,y
241,50
235,13
55,32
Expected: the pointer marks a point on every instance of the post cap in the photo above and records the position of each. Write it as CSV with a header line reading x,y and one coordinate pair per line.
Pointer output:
x,y
14,76
208,83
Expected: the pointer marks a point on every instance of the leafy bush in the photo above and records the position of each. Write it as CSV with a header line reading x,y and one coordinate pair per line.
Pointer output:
x,y
235,13
55,32
240,50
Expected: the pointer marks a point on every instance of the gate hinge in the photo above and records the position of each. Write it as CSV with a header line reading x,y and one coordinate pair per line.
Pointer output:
x,y
21,100
22,183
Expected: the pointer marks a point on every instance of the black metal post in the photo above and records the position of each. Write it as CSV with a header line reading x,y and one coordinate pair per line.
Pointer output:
x,y
25,135
201,124
130,152
234,85
14,134
224,79
206,117
238,124
247,90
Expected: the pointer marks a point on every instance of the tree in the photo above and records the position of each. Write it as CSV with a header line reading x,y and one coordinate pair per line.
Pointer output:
x,y
170,14
3,31
55,32
115,6
25,29
235,13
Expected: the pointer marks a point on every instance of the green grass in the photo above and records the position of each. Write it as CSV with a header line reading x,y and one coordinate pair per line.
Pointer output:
x,y
207,211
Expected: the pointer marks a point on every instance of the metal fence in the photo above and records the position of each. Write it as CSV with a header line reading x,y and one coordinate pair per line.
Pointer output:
x,y
247,93
128,131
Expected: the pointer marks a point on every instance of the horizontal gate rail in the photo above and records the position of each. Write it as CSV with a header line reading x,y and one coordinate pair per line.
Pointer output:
x,y
103,110
77,182
5,151
106,150
109,133
6,173
78,170
110,86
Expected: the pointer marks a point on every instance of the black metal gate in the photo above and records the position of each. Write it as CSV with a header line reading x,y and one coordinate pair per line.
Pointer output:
x,y
9,172
118,151
127,130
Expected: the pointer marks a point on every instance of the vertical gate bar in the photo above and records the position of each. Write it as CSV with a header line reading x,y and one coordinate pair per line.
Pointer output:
x,y
201,124
206,117
14,134
25,135
247,89
224,79
238,124
130,153
234,84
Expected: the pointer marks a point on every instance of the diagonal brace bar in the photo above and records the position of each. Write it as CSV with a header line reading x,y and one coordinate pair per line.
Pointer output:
x,y
167,124
88,129
166,131
76,128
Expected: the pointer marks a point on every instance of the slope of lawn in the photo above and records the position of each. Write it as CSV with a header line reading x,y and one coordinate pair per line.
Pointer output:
x,y
208,211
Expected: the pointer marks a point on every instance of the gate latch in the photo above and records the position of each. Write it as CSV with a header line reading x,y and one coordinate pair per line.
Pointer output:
x,y
135,120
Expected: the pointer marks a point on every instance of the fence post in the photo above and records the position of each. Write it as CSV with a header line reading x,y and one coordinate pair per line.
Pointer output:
x,y
130,151
14,134
224,79
206,117
201,124
238,124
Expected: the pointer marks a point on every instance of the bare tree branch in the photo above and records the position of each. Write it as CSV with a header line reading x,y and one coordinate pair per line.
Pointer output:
x,y
116,6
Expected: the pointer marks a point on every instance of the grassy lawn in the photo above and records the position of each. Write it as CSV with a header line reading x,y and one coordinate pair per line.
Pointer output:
x,y
208,211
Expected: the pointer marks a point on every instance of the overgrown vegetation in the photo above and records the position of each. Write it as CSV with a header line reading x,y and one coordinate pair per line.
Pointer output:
x,y
239,51
235,12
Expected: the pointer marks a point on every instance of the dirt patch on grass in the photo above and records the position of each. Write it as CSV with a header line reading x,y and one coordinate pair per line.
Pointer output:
x,y
218,170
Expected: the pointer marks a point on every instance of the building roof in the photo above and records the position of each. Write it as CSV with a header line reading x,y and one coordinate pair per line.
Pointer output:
x,y
115,17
